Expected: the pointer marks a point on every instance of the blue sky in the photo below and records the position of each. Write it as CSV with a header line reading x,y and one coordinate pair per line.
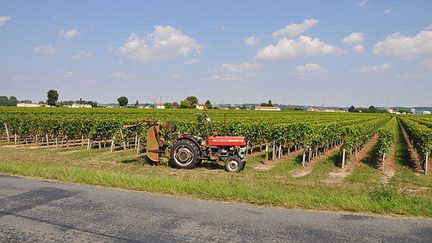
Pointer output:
x,y
293,52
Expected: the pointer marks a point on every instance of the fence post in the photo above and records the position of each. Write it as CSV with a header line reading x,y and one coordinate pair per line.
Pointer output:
x,y
7,132
304,158
427,163
343,159
138,145
266,152
88,144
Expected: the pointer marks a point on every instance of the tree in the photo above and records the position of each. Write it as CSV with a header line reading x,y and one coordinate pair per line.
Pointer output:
x,y
351,109
4,101
123,101
192,100
270,103
372,109
185,104
52,96
136,103
168,105
208,104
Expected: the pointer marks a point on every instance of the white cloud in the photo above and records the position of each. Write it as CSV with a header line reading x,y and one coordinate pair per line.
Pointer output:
x,y
363,3
165,42
242,71
4,20
48,50
68,34
407,75
238,68
359,49
69,75
399,45
120,75
81,54
176,76
375,69
354,38
387,11
303,46
250,41
294,30
192,61
309,68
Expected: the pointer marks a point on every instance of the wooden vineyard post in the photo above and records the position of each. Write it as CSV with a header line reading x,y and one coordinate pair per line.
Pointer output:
x,y
266,152
112,145
124,142
280,151
383,159
427,163
274,151
304,158
47,139
88,144
343,159
138,146
7,132
310,155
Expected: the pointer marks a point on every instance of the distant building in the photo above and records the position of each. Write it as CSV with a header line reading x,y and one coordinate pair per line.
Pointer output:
x,y
75,105
199,107
160,106
27,105
324,110
267,108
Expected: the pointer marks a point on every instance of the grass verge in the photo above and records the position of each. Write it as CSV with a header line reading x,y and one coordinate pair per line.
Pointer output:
x,y
124,170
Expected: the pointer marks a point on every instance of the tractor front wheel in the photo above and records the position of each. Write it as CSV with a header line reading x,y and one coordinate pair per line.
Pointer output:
x,y
184,155
234,164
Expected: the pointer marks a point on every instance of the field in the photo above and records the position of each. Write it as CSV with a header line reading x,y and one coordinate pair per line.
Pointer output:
x,y
295,158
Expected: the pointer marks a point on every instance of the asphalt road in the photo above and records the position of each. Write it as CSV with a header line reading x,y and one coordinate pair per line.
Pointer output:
x,y
42,211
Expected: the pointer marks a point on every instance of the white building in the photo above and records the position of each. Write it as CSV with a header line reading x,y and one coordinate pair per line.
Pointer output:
x,y
199,107
267,108
27,105
75,105
160,106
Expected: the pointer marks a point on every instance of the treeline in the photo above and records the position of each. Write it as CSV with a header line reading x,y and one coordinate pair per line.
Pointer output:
x,y
11,101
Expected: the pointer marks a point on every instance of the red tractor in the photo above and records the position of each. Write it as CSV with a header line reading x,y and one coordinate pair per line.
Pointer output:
x,y
187,151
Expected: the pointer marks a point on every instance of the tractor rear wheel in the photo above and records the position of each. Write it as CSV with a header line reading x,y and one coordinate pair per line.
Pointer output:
x,y
184,155
234,164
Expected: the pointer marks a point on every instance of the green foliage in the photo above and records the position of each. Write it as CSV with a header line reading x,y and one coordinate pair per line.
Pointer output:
x,y
123,101
192,99
11,101
386,137
52,96
208,104
185,104
420,132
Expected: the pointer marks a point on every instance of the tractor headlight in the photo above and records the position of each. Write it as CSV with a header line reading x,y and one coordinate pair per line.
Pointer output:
x,y
242,152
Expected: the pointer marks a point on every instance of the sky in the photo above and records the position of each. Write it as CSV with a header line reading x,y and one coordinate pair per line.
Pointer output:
x,y
331,53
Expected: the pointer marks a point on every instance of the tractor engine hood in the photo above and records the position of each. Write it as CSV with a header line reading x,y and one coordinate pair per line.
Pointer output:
x,y
227,141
